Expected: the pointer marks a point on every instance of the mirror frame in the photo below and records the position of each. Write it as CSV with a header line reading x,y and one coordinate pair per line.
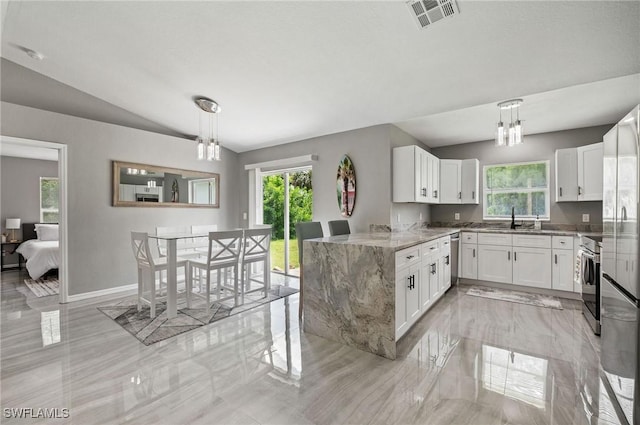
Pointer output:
x,y
118,165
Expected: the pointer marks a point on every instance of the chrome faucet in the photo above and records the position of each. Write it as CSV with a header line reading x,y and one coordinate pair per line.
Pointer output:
x,y
513,218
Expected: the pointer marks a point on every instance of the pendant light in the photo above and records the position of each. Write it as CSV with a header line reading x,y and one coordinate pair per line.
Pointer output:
x,y
513,135
207,147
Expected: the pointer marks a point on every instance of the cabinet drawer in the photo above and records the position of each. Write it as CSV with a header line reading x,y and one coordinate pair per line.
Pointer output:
x,y
562,242
468,237
444,243
532,241
429,248
494,239
407,257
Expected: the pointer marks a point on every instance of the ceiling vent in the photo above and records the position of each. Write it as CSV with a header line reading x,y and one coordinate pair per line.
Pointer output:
x,y
426,12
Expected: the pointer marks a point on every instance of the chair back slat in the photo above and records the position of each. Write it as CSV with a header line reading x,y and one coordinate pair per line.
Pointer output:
x,y
140,246
256,243
225,246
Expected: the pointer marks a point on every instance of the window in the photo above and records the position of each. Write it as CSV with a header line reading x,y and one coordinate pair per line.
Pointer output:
x,y
522,186
49,200
202,191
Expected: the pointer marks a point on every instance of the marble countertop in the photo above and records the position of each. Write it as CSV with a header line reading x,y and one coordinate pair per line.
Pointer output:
x,y
409,238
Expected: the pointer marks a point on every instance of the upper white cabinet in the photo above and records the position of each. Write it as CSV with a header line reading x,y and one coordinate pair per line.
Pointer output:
x,y
459,181
579,173
590,172
416,175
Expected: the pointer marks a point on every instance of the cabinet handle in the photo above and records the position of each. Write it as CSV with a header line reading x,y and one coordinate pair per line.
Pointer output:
x,y
560,192
579,190
508,255
515,256
459,195
562,242
556,259
432,248
447,261
474,253
433,268
409,257
473,194
435,193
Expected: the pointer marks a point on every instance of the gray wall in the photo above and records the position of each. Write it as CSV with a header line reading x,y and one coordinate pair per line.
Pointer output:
x,y
535,147
100,254
368,148
21,188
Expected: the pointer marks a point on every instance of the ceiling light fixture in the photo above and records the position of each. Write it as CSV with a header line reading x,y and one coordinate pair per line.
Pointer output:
x,y
513,135
208,147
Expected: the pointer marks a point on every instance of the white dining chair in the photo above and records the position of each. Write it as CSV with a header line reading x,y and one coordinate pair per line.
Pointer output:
x,y
202,244
148,266
256,249
223,256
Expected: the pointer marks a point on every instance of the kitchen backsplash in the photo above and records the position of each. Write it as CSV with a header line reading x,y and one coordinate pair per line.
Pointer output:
x,y
401,227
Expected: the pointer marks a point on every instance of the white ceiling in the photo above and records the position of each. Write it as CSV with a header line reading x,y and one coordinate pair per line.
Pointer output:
x,y
286,71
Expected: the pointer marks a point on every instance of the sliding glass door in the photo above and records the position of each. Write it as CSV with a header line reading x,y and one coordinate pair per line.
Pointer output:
x,y
287,198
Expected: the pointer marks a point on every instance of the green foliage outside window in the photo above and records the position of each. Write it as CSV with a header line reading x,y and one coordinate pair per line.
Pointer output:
x,y
524,187
300,201
49,200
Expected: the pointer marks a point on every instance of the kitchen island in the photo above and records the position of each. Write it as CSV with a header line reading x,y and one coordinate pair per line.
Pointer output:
x,y
351,293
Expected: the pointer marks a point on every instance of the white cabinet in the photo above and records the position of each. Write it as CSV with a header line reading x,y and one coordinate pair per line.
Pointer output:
x,y
127,192
416,175
566,175
579,173
450,181
469,261
433,277
407,298
459,181
494,263
433,183
144,189
444,265
590,172
532,267
562,273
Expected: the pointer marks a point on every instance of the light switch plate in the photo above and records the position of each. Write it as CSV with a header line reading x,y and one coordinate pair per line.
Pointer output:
x,y
585,218
456,216
244,215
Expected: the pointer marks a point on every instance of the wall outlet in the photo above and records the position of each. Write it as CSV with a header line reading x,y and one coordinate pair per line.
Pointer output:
x,y
244,215
456,216
585,218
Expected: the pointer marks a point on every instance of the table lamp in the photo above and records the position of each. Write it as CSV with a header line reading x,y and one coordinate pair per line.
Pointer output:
x,y
13,224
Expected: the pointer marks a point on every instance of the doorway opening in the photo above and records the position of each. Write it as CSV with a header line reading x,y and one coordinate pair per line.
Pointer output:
x,y
287,198
50,196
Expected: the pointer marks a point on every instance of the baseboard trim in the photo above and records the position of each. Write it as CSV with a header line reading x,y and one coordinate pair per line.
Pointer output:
x,y
101,292
543,291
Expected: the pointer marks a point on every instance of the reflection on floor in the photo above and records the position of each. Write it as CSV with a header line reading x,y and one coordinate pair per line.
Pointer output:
x,y
470,360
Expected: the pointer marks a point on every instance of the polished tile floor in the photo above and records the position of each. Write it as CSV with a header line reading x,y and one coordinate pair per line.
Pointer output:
x,y
470,360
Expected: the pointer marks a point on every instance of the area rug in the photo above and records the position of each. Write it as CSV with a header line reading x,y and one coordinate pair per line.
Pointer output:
x,y
538,300
43,287
149,331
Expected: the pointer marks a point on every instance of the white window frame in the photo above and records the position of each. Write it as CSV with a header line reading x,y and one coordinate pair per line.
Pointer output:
x,y
486,192
45,210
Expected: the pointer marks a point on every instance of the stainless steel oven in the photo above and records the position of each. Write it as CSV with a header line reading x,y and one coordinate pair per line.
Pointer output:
x,y
590,280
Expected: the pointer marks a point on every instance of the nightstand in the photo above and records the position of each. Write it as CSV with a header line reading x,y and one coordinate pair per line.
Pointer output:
x,y
9,248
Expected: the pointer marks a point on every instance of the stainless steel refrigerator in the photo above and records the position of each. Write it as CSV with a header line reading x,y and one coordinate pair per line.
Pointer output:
x,y
620,286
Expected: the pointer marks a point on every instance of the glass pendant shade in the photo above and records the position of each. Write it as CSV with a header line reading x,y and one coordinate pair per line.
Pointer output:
x,y
216,151
200,147
500,134
512,135
518,132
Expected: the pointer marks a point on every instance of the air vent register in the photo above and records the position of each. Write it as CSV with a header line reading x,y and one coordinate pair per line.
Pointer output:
x,y
426,12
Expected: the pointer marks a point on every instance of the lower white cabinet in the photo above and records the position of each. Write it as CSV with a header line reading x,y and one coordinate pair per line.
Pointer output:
x,y
433,278
563,269
494,263
469,261
444,267
407,298
532,267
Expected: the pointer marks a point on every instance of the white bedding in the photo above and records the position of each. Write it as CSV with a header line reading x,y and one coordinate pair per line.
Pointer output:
x,y
41,256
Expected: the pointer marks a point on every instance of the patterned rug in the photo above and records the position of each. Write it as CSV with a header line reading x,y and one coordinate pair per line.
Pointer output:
x,y
43,287
149,331
538,300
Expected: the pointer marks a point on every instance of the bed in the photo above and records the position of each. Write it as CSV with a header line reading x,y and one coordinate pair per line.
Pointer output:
x,y
42,256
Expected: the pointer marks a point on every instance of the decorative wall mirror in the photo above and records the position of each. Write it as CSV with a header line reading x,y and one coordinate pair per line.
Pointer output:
x,y
143,185
346,186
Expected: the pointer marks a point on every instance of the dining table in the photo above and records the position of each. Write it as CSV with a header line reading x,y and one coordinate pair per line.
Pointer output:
x,y
171,240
